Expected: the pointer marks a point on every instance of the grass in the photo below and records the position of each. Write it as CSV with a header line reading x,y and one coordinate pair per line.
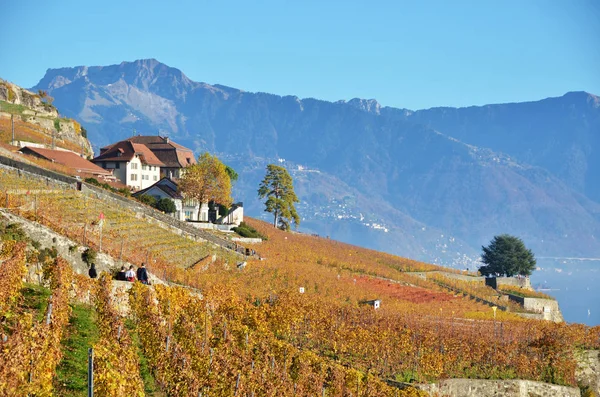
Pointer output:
x,y
35,300
12,108
523,293
150,386
82,332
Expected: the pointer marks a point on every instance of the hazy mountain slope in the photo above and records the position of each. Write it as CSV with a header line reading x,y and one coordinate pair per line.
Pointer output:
x,y
560,134
417,182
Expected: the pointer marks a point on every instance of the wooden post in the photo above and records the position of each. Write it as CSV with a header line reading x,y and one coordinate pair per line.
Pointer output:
x,y
237,384
90,372
49,313
100,244
121,253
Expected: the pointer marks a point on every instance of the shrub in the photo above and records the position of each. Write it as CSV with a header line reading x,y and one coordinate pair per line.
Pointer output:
x,y
246,230
166,205
92,181
89,256
57,125
47,254
124,191
147,199
13,231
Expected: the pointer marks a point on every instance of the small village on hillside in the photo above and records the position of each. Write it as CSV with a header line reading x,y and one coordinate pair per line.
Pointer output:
x,y
133,272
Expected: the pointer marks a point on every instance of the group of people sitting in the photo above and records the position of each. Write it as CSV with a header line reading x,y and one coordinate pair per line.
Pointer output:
x,y
140,275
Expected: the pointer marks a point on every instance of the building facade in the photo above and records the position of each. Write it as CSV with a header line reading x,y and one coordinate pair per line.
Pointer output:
x,y
133,164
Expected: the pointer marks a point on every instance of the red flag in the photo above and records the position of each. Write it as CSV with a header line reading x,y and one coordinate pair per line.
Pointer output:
x,y
102,215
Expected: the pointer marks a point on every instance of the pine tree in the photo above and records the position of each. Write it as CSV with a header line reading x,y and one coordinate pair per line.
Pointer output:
x,y
278,188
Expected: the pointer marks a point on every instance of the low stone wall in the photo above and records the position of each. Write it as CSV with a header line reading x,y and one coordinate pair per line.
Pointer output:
x,y
523,282
494,388
247,240
37,172
548,308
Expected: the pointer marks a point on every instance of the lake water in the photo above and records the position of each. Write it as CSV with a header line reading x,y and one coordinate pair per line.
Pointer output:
x,y
575,284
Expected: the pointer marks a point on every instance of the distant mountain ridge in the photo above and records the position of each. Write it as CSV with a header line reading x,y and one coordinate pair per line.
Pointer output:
x,y
441,181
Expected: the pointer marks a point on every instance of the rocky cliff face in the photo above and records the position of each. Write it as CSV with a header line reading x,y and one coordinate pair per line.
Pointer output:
x,y
41,118
432,184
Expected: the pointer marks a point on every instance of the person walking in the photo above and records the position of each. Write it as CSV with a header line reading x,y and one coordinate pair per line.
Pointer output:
x,y
130,274
92,272
142,274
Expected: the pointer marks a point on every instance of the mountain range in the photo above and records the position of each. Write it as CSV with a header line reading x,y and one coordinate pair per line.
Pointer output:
x,y
430,184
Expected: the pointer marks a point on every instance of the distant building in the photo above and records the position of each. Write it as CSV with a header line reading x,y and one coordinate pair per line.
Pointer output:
x,y
134,164
71,160
173,156
376,303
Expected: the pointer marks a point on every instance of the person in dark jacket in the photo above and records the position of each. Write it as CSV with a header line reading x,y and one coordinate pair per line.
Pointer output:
x,y
121,275
142,274
92,272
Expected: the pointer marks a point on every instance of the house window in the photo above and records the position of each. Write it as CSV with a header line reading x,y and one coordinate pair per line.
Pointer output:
x,y
188,215
155,178
134,166
134,177
117,165
104,164
144,167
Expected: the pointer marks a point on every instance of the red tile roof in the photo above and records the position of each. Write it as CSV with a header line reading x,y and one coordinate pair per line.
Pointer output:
x,y
171,154
66,158
126,151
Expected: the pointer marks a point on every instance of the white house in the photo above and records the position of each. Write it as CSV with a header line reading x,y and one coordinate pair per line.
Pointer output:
x,y
187,210
174,156
134,164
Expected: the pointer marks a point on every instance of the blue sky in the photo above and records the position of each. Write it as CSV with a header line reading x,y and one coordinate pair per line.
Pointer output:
x,y
412,54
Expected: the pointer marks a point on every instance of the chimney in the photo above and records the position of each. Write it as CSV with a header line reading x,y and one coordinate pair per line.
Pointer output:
x,y
167,139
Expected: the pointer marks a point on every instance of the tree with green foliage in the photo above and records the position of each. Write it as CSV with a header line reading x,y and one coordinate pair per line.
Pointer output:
x,y
507,255
233,176
166,205
205,181
278,188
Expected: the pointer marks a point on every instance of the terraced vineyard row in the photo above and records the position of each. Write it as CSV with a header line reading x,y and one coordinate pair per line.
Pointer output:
x,y
96,223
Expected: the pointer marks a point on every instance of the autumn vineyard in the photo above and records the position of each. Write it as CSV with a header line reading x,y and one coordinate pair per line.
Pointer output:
x,y
207,327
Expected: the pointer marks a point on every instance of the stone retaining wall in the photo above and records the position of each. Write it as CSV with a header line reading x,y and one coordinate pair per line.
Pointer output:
x,y
547,308
495,388
588,370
